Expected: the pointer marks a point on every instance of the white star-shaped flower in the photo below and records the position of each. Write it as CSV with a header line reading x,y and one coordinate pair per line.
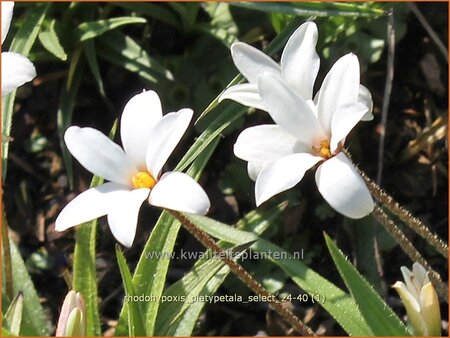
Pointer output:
x,y
16,68
134,172
298,69
307,133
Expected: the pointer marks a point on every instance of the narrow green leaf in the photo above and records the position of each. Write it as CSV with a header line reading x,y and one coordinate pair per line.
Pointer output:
x,y
339,304
136,325
13,316
7,333
379,316
316,9
34,321
125,52
49,39
93,29
91,57
22,43
178,318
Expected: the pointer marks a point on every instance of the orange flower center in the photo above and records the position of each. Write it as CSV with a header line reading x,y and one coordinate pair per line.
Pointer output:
x,y
143,180
324,149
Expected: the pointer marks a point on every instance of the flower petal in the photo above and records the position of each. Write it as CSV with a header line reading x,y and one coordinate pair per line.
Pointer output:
x,y
344,119
139,116
343,188
340,87
412,309
254,168
16,70
365,98
166,135
411,281
300,62
282,175
123,212
251,62
7,12
178,191
266,143
420,273
88,205
246,94
289,110
429,303
98,154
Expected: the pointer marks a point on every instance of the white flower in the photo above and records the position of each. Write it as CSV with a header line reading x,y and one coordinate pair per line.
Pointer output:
x,y
298,68
16,68
305,134
134,172
420,300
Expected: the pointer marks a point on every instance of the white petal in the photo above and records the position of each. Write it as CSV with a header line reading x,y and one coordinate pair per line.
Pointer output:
x,y
7,12
254,168
412,283
89,205
98,154
343,188
344,119
365,98
123,214
300,62
420,273
16,70
282,175
340,87
246,94
290,111
267,143
178,191
251,62
166,135
139,116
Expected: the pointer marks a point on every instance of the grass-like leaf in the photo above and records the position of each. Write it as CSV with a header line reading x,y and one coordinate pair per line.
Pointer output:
x,y
49,39
379,316
136,325
33,321
93,29
22,43
13,316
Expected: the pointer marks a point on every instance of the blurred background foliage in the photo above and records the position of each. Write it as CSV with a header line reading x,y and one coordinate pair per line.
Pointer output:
x,y
92,57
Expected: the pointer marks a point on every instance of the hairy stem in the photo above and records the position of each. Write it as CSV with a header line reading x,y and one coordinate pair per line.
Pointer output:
x,y
410,250
404,215
243,275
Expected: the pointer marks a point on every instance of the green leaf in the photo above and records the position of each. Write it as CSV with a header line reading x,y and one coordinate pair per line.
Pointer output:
x,y
13,316
339,304
314,9
7,333
49,39
93,29
179,318
34,321
379,316
136,325
22,43
125,52
91,57
153,10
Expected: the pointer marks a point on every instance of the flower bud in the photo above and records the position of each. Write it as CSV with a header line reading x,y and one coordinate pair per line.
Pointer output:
x,y
72,319
420,300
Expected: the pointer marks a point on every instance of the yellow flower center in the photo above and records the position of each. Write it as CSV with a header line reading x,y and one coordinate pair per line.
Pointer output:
x,y
324,149
143,180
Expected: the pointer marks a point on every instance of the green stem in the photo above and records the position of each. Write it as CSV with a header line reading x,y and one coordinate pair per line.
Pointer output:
x,y
404,215
7,258
410,250
243,275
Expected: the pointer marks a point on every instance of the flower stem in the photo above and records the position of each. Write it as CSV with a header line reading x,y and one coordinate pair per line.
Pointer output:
x,y
7,258
410,250
404,215
243,275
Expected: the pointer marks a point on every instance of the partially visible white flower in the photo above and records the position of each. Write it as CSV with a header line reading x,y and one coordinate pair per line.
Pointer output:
x,y
305,134
298,69
420,300
134,172
16,68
